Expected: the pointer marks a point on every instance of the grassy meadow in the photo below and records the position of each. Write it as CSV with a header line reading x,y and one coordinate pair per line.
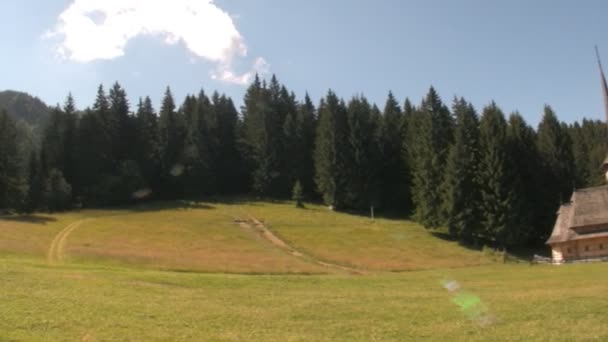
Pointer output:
x,y
185,271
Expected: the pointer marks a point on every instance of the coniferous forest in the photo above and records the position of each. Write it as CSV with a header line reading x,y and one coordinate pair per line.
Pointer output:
x,y
486,175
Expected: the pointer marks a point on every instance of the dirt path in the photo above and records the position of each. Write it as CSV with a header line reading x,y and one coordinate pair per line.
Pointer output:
x,y
261,230
55,253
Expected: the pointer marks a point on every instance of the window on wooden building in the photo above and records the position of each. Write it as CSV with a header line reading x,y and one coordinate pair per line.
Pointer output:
x,y
586,248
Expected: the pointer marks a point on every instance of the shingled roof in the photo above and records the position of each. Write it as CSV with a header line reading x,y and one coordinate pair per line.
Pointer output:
x,y
587,207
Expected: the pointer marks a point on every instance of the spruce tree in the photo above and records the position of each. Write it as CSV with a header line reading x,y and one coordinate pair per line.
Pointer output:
x,y
92,159
557,168
58,195
147,145
12,182
120,124
362,155
105,130
461,188
229,164
524,160
53,142
70,161
430,136
171,138
297,195
36,185
393,172
497,197
263,138
330,151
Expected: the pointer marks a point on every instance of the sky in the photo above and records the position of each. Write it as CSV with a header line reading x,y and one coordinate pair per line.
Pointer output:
x,y
522,54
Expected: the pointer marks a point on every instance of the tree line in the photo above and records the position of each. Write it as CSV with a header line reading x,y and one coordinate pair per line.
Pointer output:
x,y
486,176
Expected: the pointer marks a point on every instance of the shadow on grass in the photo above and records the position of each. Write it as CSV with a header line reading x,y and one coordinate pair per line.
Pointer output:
x,y
445,236
391,215
32,218
167,205
518,252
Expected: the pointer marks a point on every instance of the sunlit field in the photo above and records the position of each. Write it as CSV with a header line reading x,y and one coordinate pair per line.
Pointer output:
x,y
242,271
207,237
77,302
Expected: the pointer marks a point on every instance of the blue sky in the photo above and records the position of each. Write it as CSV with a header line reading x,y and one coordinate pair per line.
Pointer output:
x,y
522,54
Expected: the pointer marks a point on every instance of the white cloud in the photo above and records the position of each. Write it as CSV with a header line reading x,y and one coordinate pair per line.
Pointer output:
x,y
92,30
223,72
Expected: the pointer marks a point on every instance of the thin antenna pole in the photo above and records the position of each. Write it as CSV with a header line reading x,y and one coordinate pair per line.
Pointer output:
x,y
604,85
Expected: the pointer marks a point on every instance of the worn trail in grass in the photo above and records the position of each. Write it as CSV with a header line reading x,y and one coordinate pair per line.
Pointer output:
x,y
260,228
204,237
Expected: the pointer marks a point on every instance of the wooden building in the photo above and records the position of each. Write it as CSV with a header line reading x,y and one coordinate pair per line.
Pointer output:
x,y
581,229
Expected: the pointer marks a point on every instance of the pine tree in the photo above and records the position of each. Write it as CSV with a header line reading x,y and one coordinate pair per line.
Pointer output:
x,y
524,159
496,193
263,138
557,168
297,194
92,158
147,145
105,131
36,185
330,154
171,138
12,182
430,135
299,134
120,124
229,165
70,166
589,147
362,171
394,175
195,155
58,192
461,188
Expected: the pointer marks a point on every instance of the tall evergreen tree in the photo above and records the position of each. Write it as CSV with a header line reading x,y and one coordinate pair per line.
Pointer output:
x,y
462,198
430,136
12,182
263,128
147,145
557,168
363,155
120,124
93,158
524,160
104,124
496,193
229,165
330,155
70,165
35,185
171,137
589,147
53,142
394,174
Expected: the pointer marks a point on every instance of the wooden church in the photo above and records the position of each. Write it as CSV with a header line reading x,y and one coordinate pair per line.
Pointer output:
x,y
581,228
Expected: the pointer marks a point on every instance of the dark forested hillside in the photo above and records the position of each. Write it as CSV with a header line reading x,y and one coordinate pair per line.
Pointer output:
x,y
487,176
23,106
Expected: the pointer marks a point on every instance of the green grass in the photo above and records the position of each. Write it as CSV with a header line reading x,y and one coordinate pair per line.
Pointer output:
x,y
85,303
117,280
203,237
385,244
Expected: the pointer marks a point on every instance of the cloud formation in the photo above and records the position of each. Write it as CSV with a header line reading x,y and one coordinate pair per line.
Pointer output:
x,y
92,30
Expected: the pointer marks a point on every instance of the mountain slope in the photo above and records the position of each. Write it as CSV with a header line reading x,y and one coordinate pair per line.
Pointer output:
x,y
24,106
